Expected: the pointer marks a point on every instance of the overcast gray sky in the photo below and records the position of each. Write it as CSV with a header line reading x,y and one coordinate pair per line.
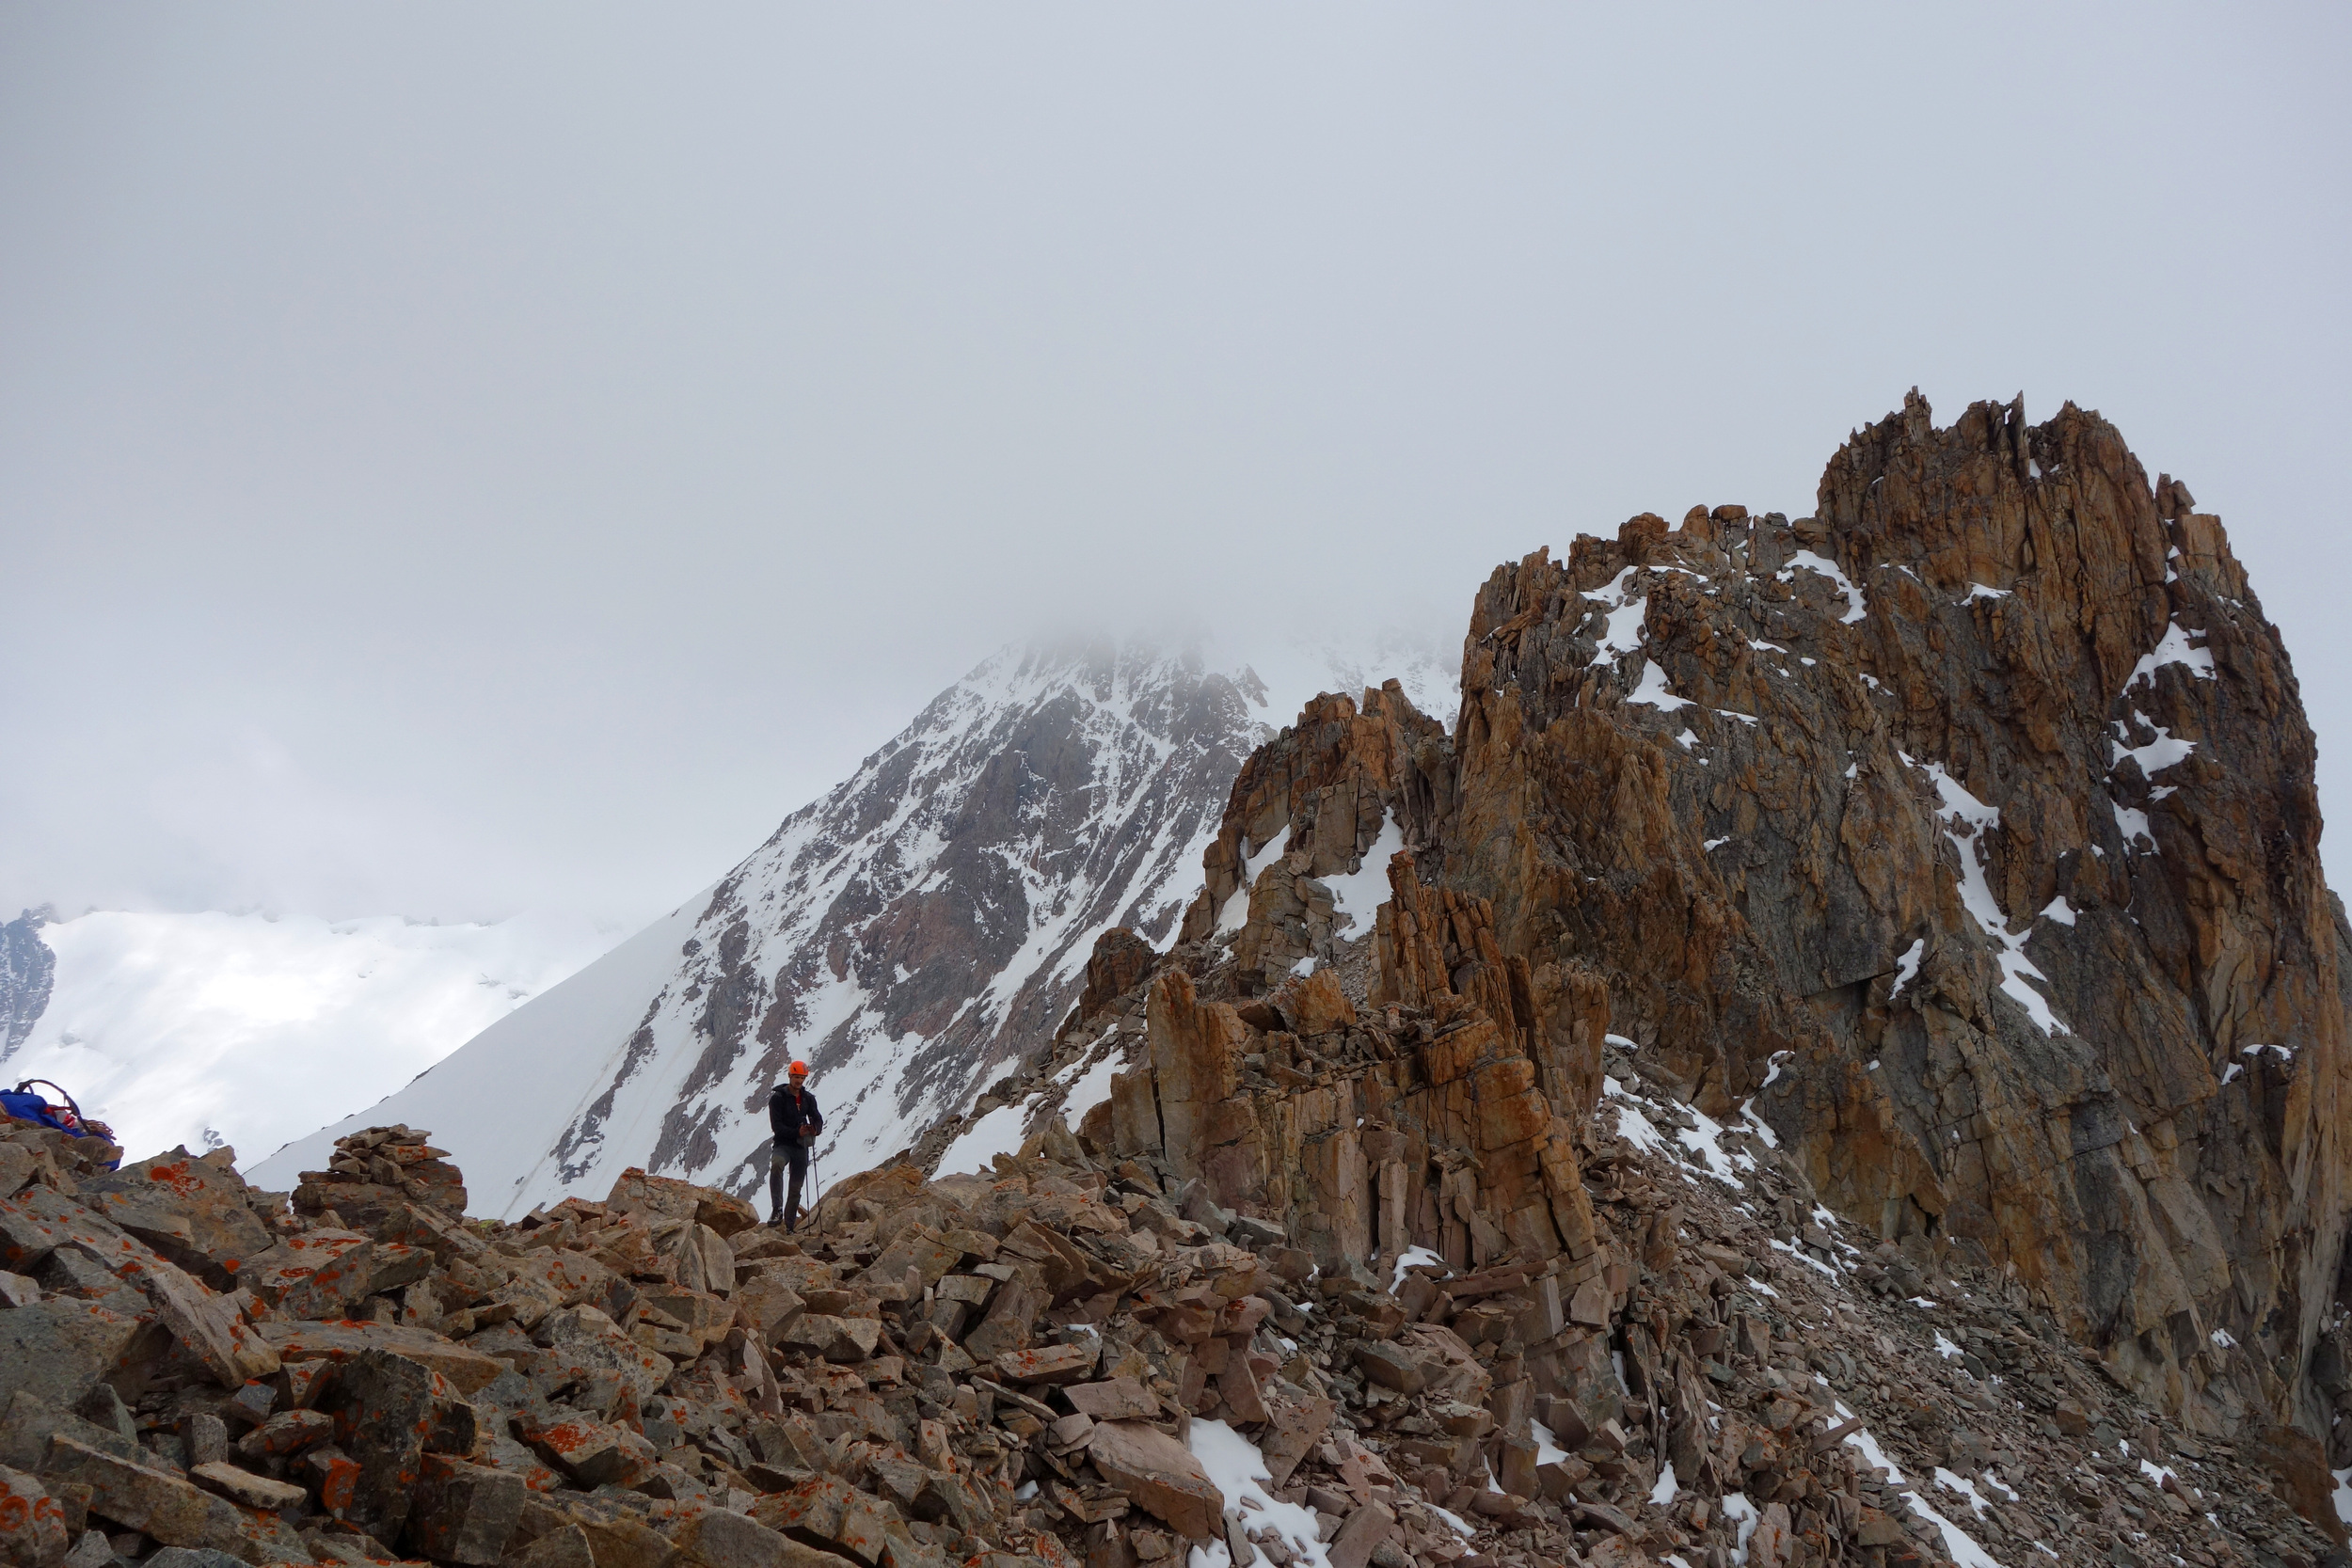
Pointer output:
x,y
455,459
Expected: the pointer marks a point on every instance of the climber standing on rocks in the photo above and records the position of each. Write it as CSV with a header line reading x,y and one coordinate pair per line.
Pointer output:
x,y
795,1121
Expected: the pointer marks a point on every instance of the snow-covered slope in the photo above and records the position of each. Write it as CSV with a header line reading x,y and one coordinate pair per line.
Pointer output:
x,y
908,934
250,1029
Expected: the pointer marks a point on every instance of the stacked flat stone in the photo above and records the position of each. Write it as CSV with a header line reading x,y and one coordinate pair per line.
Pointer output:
x,y
377,1167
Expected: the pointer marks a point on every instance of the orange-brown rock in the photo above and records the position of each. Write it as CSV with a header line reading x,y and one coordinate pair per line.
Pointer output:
x,y
1362,1138
1118,962
1964,833
1321,790
1314,1006
1982,804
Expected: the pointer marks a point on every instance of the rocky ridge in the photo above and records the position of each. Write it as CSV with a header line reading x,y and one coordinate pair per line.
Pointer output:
x,y
1751,797
1976,814
1688,1353
1077,1357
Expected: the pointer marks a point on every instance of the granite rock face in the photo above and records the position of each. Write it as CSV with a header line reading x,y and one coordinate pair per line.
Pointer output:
x,y
1964,834
1980,806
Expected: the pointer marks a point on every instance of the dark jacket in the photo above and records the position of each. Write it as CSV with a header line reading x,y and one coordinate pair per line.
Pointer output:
x,y
790,1113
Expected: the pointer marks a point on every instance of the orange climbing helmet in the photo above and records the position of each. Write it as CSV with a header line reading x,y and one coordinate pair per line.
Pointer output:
x,y
799,1070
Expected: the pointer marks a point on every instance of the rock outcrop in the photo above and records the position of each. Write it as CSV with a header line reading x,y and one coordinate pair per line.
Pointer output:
x,y
1960,840
1976,813
1968,826
1632,1335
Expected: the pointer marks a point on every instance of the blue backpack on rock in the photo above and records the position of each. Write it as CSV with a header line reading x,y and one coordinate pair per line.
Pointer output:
x,y
22,1104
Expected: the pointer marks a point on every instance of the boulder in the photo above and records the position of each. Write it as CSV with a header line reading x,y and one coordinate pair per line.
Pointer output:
x,y
286,1434
1315,1005
181,1557
319,1276
340,1342
1159,1475
1361,1534
28,1423
56,1349
1048,1364
1118,1399
462,1513
244,1487
920,1248
845,1339
623,1541
705,1317
716,1538
1295,1422
594,1453
388,1411
1393,1366
829,1515
566,1548
212,1230
1011,1318
666,1197
700,1259
172,1511
765,1305
567,1279
583,1341
36,1221
209,1326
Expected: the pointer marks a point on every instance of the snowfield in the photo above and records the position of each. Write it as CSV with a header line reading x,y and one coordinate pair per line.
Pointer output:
x,y
251,1029
500,1103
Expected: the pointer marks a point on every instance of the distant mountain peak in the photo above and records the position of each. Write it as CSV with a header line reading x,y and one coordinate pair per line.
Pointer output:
x,y
909,933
